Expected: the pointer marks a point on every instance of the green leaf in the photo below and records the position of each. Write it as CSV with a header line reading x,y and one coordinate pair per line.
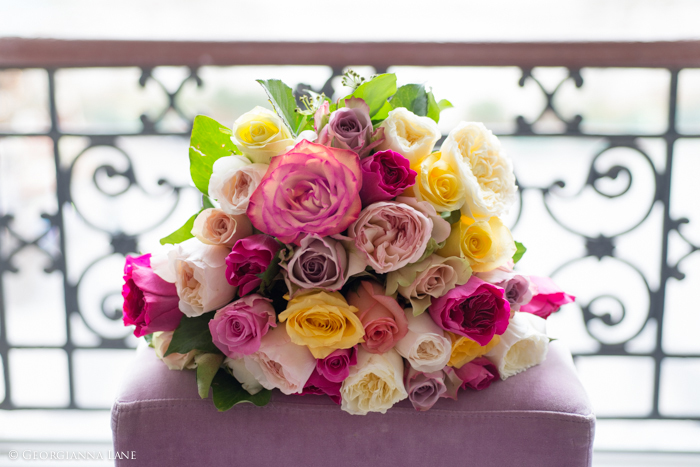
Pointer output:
x,y
207,366
207,202
431,248
444,104
451,216
412,97
433,107
376,91
270,274
149,338
193,334
383,113
282,100
519,252
229,392
181,234
210,141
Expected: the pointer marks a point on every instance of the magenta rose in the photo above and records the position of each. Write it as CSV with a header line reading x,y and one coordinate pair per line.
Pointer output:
x,y
249,257
336,366
382,317
385,175
548,299
150,303
424,389
237,328
477,310
320,385
311,189
350,127
477,374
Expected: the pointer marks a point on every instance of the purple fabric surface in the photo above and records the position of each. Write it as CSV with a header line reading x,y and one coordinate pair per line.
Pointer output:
x,y
541,417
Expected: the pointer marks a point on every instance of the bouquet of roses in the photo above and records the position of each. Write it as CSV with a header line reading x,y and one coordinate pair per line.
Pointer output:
x,y
338,252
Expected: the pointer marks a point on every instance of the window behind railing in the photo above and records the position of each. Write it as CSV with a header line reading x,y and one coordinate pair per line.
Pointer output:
x,y
605,140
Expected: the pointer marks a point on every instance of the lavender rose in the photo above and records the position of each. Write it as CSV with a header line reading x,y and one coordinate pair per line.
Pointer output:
x,y
424,389
237,328
476,310
336,366
150,303
351,128
393,234
385,175
518,289
311,189
249,257
320,263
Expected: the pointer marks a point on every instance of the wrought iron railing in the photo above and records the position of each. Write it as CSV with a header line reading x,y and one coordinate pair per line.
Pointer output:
x,y
51,56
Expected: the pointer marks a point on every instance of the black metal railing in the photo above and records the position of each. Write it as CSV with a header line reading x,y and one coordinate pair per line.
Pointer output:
x,y
51,56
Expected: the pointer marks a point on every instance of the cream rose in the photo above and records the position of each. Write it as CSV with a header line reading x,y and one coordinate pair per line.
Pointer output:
x,y
199,274
236,366
174,361
215,227
486,171
261,135
432,277
375,384
439,181
233,181
523,345
425,346
281,364
408,134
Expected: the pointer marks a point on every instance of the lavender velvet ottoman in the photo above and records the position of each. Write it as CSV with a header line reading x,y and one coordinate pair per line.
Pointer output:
x,y
541,417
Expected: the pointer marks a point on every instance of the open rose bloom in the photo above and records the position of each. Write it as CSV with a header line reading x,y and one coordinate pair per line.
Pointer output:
x,y
341,252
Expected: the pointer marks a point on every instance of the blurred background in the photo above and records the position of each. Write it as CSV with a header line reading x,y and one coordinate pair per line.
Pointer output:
x,y
94,165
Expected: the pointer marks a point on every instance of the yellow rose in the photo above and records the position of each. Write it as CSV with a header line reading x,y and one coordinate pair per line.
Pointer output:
x,y
464,350
487,172
322,321
485,244
439,182
260,135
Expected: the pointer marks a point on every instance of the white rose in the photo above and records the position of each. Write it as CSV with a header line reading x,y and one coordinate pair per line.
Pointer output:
x,y
236,366
375,384
214,227
523,345
425,346
174,361
199,273
261,135
281,364
233,181
408,134
487,172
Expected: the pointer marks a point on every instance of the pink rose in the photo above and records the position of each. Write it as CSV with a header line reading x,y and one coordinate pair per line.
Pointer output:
x,y
350,127
249,257
237,328
280,363
150,303
477,310
424,389
548,298
336,366
382,317
311,189
322,115
393,234
320,385
477,374
385,175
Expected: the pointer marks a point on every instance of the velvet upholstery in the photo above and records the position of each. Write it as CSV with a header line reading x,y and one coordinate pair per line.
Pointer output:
x,y
541,417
